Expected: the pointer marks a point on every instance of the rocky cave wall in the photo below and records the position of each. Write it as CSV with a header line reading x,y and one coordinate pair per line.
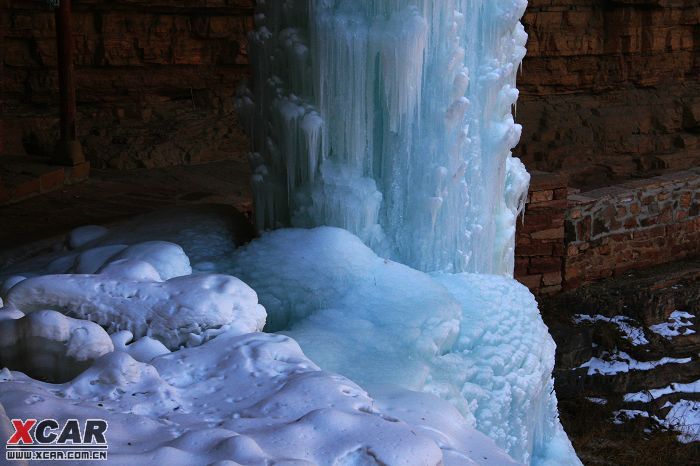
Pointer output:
x,y
609,88
155,79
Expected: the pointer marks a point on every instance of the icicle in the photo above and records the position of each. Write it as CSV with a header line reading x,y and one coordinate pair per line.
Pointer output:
x,y
368,99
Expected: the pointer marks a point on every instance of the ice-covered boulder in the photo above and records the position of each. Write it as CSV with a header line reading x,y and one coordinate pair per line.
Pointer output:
x,y
50,346
181,311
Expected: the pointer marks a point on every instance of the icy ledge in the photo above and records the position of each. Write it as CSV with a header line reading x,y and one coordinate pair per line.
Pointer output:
x,y
442,356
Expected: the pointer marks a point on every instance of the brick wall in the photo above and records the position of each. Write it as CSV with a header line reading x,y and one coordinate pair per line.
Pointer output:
x,y
569,241
539,250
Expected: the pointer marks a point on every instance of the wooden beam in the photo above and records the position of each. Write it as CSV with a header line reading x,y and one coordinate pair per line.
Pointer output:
x,y
68,150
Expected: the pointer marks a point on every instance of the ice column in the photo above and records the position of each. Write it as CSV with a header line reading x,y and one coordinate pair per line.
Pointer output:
x,y
391,119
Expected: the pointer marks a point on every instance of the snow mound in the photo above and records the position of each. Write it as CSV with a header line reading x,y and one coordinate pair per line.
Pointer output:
x,y
190,382
205,234
251,399
51,346
181,311
81,236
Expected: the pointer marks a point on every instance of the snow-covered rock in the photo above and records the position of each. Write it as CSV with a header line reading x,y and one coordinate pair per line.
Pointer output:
x,y
50,346
81,236
181,311
251,399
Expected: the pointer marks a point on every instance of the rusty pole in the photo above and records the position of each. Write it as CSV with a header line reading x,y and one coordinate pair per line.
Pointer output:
x,y
69,150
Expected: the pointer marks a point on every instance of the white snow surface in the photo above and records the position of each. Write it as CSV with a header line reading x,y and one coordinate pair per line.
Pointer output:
x,y
619,362
627,326
648,396
683,416
250,398
598,401
441,354
678,324
81,236
180,311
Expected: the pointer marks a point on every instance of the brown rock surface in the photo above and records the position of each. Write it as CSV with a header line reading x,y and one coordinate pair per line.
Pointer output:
x,y
644,298
155,79
610,89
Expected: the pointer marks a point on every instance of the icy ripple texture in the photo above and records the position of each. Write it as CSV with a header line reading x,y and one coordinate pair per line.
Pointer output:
x,y
391,119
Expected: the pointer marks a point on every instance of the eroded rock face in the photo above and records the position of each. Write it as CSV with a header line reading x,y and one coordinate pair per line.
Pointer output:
x,y
48,345
607,89
610,89
627,350
154,80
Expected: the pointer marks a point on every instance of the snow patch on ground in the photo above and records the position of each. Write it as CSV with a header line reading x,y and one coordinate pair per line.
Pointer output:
x,y
678,324
250,399
598,401
619,362
648,396
626,325
683,417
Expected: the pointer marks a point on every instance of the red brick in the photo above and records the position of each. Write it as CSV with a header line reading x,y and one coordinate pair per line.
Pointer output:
x,y
536,249
52,180
80,172
552,233
521,264
28,188
545,290
541,196
685,200
531,281
545,264
551,279
558,249
561,193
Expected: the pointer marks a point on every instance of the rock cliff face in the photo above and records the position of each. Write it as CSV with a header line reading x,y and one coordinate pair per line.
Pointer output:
x,y
155,79
611,88
627,370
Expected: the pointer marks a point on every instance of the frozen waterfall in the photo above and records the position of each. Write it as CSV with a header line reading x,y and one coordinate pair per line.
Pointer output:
x,y
391,119
394,120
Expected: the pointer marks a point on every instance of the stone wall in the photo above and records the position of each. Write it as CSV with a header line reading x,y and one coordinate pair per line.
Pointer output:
x,y
155,79
610,89
569,241
631,226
